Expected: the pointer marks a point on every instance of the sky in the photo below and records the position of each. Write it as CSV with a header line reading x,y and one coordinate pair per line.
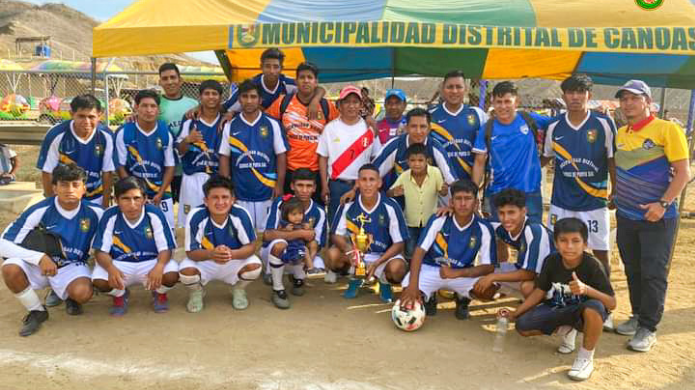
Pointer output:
x,y
102,10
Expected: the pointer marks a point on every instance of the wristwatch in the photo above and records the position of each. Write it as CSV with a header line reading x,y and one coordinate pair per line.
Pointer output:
x,y
664,203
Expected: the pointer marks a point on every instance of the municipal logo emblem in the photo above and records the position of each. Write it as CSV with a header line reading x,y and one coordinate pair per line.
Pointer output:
x,y
159,144
247,36
649,4
98,150
473,241
264,131
148,233
524,129
84,224
648,144
591,136
471,119
553,219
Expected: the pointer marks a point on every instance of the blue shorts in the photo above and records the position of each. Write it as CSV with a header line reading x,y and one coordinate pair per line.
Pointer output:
x,y
547,318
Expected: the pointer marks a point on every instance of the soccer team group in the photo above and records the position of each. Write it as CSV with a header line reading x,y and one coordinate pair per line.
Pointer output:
x,y
429,199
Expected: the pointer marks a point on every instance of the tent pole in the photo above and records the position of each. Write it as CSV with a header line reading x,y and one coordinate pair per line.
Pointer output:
x,y
681,201
393,68
94,76
662,103
483,91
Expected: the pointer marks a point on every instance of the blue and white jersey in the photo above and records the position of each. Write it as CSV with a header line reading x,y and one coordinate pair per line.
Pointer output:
x,y
384,223
145,155
252,149
203,233
285,86
134,242
514,158
392,161
448,243
201,157
315,216
456,131
76,229
534,243
95,155
581,156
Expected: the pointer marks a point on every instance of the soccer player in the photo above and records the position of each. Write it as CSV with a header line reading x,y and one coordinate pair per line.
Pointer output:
x,y
253,152
383,222
302,131
197,145
652,170
455,125
134,245
73,221
573,293
145,150
345,145
508,147
581,143
219,246
446,251
393,123
172,108
275,239
82,141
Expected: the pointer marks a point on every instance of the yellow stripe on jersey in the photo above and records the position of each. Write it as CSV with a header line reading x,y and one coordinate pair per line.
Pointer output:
x,y
120,245
96,191
267,182
202,146
138,158
206,244
442,244
595,192
442,131
66,160
351,227
235,142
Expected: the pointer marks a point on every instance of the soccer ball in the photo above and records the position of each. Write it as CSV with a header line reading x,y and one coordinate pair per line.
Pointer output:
x,y
408,320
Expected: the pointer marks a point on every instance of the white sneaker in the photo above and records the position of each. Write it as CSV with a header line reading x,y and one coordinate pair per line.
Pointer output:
x,y
239,300
643,340
330,277
581,369
568,342
608,324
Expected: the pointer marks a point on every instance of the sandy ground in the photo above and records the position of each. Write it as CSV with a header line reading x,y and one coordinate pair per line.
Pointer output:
x,y
327,342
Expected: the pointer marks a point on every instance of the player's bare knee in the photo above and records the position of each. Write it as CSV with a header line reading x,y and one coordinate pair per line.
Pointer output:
x,y
80,291
526,288
169,279
101,285
395,272
250,272
190,271
278,248
14,277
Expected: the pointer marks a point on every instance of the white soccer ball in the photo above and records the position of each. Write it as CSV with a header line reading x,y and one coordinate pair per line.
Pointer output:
x,y
408,320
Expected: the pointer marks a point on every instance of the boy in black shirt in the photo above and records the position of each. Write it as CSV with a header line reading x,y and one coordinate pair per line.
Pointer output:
x,y
575,294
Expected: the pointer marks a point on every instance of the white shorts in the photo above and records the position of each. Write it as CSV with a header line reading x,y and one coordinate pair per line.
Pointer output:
x,y
258,212
227,272
191,195
59,283
135,273
430,282
597,221
265,251
167,207
370,258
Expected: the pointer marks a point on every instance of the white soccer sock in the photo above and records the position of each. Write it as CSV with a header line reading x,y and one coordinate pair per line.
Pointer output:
x,y
318,262
585,353
30,300
191,281
163,289
277,270
298,271
116,293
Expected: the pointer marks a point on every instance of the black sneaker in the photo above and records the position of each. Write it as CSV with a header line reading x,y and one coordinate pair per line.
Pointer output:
x,y
72,307
430,305
32,322
297,287
280,299
462,308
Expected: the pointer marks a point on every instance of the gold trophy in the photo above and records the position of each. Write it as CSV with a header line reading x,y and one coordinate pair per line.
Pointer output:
x,y
361,246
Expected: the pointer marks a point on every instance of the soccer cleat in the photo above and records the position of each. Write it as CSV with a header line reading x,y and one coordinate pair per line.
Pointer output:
x,y
430,305
608,323
280,299
239,300
72,307
195,301
268,279
297,287
568,342
160,303
462,308
330,277
316,271
32,322
385,292
629,327
52,299
581,369
120,305
353,286
642,341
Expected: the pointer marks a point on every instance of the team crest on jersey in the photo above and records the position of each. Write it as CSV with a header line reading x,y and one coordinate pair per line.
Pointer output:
x,y
553,219
522,247
148,233
524,129
247,36
84,224
471,119
591,136
473,242
648,144
186,208
311,221
159,144
98,150
382,220
264,131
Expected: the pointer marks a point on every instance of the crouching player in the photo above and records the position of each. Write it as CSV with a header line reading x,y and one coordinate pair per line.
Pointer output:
x,y
65,216
134,245
219,246
383,222
444,257
575,294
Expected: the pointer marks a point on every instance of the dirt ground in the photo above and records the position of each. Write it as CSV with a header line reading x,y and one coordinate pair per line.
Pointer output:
x,y
327,342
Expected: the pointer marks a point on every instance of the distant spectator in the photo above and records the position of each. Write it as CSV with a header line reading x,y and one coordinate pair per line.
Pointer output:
x,y
9,162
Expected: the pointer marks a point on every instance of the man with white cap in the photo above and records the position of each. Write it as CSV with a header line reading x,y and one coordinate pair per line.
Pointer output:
x,y
652,169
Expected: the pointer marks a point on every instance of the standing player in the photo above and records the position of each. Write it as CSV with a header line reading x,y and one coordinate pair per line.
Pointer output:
x,y
197,145
383,222
145,150
253,152
275,239
393,123
134,245
219,246
25,269
446,251
82,141
455,125
581,144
